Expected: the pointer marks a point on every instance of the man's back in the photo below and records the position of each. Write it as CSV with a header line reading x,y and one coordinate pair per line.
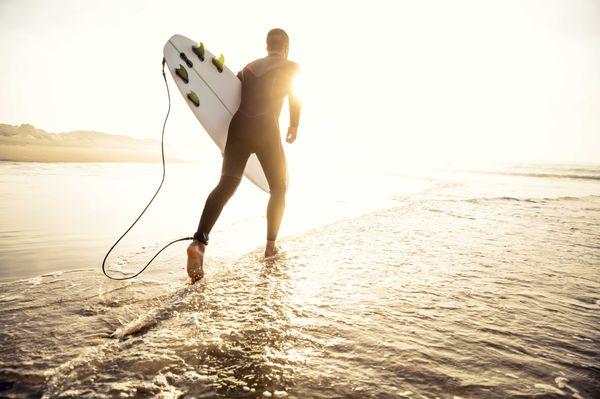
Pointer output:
x,y
265,83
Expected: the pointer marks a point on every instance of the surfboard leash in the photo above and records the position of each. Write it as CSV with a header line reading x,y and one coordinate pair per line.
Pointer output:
x,y
162,150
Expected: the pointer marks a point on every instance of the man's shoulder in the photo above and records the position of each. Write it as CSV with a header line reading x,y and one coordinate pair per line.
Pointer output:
x,y
279,60
292,67
265,64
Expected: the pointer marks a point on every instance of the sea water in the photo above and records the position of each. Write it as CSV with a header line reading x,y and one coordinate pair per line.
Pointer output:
x,y
453,282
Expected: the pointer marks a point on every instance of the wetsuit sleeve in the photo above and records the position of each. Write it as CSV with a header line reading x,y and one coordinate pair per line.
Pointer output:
x,y
294,100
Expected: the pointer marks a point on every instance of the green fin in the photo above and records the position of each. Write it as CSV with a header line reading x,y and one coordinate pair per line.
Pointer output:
x,y
199,51
182,73
219,62
193,97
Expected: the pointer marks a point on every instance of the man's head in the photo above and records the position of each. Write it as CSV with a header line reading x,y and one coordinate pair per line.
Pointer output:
x,y
278,42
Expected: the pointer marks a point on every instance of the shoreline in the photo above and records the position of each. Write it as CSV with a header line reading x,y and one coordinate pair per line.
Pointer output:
x,y
47,154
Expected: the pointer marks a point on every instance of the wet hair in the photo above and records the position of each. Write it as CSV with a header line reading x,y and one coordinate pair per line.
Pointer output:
x,y
277,40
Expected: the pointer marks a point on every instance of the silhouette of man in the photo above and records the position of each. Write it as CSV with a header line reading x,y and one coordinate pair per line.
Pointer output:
x,y
254,129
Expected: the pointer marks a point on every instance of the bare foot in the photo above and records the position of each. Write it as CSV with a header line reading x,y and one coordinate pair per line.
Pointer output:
x,y
271,249
195,253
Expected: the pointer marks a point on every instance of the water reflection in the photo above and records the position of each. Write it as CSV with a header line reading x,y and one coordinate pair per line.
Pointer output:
x,y
446,295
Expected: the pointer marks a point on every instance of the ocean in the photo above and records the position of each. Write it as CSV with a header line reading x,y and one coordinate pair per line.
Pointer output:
x,y
440,282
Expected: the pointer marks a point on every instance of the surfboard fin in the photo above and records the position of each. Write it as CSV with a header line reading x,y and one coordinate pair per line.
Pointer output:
x,y
193,97
199,51
182,73
219,62
186,60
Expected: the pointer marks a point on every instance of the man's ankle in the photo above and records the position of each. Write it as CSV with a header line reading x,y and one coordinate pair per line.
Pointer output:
x,y
199,244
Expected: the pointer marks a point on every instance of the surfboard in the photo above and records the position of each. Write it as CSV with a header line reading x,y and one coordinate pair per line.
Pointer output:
x,y
212,91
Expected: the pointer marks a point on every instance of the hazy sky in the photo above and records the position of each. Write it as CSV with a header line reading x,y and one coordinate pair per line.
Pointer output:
x,y
383,81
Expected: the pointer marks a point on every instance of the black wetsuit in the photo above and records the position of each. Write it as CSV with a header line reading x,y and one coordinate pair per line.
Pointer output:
x,y
255,129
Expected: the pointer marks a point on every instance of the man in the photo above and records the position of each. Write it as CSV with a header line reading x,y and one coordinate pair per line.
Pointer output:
x,y
254,129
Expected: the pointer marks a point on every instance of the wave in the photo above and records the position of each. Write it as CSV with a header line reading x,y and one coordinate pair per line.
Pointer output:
x,y
64,371
533,200
594,177
153,316
485,199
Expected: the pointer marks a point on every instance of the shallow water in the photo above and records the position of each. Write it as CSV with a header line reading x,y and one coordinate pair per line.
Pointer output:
x,y
471,285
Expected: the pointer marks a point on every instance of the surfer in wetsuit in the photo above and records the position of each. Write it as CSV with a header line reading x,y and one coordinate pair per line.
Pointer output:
x,y
254,129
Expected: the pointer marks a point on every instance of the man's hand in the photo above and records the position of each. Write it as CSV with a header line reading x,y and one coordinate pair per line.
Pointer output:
x,y
291,134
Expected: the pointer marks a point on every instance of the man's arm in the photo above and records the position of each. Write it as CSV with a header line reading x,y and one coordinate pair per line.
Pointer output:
x,y
295,109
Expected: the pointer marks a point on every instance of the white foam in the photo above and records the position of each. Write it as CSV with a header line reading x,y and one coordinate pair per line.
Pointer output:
x,y
35,280
549,388
150,318
136,325
53,274
10,298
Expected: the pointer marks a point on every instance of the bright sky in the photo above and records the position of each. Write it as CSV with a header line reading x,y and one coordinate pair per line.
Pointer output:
x,y
385,82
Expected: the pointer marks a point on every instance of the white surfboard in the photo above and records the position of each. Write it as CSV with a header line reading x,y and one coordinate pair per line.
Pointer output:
x,y
217,94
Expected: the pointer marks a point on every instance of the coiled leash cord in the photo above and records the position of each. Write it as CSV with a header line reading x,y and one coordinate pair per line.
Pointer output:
x,y
162,149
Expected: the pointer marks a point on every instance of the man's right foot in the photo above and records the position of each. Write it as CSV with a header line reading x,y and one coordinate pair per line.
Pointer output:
x,y
271,250
195,253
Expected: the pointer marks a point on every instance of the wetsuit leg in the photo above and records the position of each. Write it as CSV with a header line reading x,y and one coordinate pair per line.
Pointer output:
x,y
235,156
272,160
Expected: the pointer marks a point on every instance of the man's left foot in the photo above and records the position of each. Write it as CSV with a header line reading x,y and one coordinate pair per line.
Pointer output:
x,y
195,253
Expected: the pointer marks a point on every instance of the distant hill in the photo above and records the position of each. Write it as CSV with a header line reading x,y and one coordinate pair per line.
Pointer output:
x,y
26,143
